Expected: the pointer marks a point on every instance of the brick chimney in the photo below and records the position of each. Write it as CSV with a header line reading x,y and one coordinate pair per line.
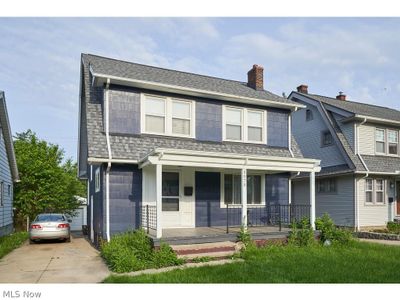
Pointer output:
x,y
255,78
303,88
341,96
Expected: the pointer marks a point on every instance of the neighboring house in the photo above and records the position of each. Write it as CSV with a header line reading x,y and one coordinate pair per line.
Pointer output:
x,y
80,215
358,145
178,147
8,170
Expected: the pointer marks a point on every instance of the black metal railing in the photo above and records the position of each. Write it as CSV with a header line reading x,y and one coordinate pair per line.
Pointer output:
x,y
148,215
267,215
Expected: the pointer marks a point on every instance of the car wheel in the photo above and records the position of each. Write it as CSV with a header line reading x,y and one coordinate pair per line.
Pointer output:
x,y
32,242
68,240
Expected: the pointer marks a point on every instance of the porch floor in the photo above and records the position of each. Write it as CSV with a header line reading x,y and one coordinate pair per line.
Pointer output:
x,y
216,234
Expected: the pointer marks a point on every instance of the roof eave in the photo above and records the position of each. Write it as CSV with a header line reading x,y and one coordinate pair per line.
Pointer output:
x,y
359,117
100,79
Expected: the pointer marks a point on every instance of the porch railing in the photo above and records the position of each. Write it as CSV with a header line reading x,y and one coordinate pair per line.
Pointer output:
x,y
267,215
148,215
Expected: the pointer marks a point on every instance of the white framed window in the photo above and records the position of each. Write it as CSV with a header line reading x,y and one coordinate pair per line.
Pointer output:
x,y
231,189
167,116
244,125
393,141
379,191
380,141
97,180
369,190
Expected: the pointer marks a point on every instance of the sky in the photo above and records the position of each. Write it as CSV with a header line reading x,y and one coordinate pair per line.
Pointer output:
x,y
40,59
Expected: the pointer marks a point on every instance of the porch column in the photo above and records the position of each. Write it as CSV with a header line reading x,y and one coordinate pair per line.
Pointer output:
x,y
159,200
244,198
312,199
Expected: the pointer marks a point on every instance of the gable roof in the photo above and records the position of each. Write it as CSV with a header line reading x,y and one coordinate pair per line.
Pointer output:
x,y
109,67
358,108
7,134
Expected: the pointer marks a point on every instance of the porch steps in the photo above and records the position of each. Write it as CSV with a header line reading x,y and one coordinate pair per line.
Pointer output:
x,y
214,250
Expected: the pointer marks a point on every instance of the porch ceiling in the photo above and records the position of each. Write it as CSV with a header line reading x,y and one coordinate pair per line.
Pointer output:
x,y
190,158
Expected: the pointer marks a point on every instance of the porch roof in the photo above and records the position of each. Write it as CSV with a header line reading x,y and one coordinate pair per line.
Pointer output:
x,y
192,158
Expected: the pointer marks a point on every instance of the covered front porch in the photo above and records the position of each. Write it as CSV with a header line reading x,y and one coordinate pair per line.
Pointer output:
x,y
189,194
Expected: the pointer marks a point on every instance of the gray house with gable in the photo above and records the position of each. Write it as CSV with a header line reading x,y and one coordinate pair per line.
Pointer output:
x,y
174,150
358,144
8,170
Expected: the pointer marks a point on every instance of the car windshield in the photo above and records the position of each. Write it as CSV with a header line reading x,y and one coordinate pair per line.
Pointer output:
x,y
50,218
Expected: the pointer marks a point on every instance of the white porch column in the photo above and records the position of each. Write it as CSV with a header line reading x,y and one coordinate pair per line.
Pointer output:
x,y
244,198
312,199
159,199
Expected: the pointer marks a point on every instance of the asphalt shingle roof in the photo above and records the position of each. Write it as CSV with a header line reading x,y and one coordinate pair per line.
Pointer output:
x,y
359,108
385,164
136,147
129,70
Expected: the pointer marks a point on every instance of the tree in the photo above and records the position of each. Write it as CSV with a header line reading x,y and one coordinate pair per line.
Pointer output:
x,y
47,184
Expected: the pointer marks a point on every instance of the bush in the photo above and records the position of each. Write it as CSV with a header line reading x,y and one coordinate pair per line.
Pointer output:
x,y
329,232
301,234
133,251
244,236
165,256
393,227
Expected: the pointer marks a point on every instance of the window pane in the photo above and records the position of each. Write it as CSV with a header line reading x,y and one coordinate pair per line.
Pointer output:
x,y
379,197
170,184
233,116
180,126
380,147
369,184
392,136
254,118
392,148
327,138
155,124
237,189
170,204
379,185
368,197
155,106
233,132
257,189
254,134
181,110
380,135
228,188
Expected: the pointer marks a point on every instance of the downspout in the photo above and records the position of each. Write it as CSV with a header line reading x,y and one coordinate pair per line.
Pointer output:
x,y
356,206
290,132
107,131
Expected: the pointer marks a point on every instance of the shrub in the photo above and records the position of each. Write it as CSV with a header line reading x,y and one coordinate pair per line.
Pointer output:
x,y
393,227
329,232
165,256
301,235
244,236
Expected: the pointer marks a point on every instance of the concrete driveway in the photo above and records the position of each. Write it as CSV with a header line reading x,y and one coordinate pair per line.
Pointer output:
x,y
54,262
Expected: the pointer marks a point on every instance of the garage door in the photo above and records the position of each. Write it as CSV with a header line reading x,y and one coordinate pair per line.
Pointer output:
x,y
79,219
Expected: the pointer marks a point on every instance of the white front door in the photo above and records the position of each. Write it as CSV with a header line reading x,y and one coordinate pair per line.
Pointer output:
x,y
177,208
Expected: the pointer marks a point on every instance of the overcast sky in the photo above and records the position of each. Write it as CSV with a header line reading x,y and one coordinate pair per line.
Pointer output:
x,y
39,59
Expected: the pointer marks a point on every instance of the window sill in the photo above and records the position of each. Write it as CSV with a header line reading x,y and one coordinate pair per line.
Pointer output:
x,y
240,205
245,142
168,135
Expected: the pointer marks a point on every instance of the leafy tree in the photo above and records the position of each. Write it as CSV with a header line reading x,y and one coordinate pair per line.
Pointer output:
x,y
47,183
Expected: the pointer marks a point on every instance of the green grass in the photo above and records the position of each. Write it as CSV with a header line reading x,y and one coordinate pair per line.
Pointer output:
x,y
10,242
357,263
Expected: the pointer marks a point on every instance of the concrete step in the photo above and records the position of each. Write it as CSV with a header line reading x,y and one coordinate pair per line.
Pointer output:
x,y
217,250
212,255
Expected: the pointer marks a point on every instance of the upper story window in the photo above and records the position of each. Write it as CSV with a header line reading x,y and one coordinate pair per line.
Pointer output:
x,y
393,142
309,115
167,116
380,140
244,125
326,138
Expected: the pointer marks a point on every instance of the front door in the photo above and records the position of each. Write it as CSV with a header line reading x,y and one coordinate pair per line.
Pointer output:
x,y
398,198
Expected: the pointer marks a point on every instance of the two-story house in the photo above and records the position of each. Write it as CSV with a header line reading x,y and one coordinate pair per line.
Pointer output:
x,y
358,145
167,149
8,170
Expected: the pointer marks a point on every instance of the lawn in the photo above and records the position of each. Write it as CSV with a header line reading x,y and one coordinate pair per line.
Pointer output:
x,y
10,242
358,262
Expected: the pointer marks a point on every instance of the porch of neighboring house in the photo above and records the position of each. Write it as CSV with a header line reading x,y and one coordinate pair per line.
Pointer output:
x,y
189,198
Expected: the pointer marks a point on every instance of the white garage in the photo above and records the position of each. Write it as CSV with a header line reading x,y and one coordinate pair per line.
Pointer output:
x,y
80,217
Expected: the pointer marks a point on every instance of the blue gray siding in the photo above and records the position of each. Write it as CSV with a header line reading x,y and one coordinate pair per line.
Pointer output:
x,y
277,128
209,121
277,188
125,197
339,205
98,205
6,212
124,111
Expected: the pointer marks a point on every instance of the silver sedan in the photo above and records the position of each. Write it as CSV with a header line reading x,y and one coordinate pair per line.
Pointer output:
x,y
49,227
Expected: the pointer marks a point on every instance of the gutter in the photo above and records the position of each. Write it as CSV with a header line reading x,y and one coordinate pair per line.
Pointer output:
x,y
107,126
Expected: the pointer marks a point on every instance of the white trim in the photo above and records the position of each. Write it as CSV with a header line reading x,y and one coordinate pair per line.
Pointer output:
x,y
168,115
290,134
237,172
193,92
243,177
97,180
91,219
159,201
387,142
112,160
312,199
107,132
384,140
244,124
91,173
